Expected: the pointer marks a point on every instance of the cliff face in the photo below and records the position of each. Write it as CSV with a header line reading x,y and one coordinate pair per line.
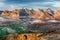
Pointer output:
x,y
14,13
27,12
11,14
5,13
38,14
45,14
57,14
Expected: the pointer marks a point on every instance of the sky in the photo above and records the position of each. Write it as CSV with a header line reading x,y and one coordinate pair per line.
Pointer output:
x,y
35,4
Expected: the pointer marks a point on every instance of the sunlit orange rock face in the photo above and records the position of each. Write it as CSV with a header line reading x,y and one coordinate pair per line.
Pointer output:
x,y
14,14
31,36
39,14
48,13
5,13
45,14
57,14
11,14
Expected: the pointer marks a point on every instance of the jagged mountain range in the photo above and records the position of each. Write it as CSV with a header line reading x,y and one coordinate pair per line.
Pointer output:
x,y
39,13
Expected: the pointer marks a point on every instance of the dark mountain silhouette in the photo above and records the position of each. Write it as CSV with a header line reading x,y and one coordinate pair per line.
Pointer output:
x,y
23,13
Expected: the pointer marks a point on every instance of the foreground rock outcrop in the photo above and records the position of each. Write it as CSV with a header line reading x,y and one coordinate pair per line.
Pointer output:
x,y
34,36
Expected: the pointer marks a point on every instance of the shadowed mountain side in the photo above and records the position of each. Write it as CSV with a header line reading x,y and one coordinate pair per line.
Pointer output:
x,y
23,12
44,27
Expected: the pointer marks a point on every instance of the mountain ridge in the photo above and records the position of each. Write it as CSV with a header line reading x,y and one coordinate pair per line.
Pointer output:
x,y
39,13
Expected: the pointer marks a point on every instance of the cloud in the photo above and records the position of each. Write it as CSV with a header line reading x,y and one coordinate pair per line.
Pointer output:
x,y
56,4
1,4
52,5
42,5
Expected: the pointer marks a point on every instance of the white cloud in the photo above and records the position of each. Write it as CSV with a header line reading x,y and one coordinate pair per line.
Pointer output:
x,y
2,4
11,7
56,4
41,3
35,5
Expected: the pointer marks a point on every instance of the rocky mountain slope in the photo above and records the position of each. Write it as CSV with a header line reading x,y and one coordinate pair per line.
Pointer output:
x,y
40,14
